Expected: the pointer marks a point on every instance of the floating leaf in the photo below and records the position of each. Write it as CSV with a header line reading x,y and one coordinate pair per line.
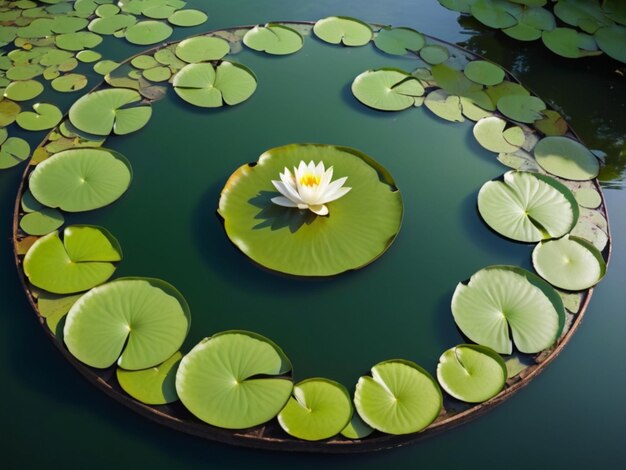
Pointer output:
x,y
361,225
399,41
499,299
356,428
82,179
70,82
24,72
434,54
521,108
399,398
8,112
42,221
158,11
445,106
81,261
462,6
471,373
527,207
566,158
13,151
136,322
153,386
46,116
234,380
23,90
505,88
387,89
148,32
495,13
490,133
612,40
552,123
530,24
569,43
588,197
202,49
582,13
483,72
157,74
343,30
107,110
204,86
88,56
187,18
111,24
569,263
78,41
67,24
144,61
106,66
318,409
274,39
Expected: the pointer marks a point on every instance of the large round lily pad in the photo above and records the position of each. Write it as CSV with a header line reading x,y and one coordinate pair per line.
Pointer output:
x,y
81,261
82,179
387,89
234,380
399,41
503,301
399,398
202,85
201,49
113,109
343,30
153,386
566,158
471,373
569,263
137,322
528,207
43,116
148,32
274,39
318,409
360,226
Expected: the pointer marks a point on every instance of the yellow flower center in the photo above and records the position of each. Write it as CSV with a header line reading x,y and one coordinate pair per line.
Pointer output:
x,y
309,179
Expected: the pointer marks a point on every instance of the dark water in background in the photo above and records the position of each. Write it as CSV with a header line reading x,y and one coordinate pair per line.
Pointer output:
x,y
572,415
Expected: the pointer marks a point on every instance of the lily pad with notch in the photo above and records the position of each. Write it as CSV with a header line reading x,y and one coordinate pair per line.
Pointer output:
x,y
387,89
23,90
274,39
399,41
202,49
45,116
153,386
13,151
343,30
490,133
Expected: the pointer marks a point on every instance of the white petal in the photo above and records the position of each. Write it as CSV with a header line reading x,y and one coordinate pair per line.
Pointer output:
x,y
335,185
283,201
319,209
287,190
303,206
325,180
335,195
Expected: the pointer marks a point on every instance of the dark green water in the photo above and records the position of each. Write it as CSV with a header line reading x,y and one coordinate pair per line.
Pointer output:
x,y
571,416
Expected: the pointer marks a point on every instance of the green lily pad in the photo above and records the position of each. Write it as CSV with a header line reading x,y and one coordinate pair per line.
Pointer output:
x,y
592,227
187,18
111,24
202,49
483,72
46,116
274,39
136,322
505,88
13,151
588,197
148,32
360,226
158,11
103,111
399,41
399,398
521,108
582,13
615,10
106,66
88,56
503,301
70,82
552,123
611,40
81,261
387,89
153,386
462,6
434,54
208,87
157,74
144,62
54,307
24,72
41,222
490,133
471,373
343,30
8,112
528,207
566,158
78,41
531,22
445,106
63,24
569,263
569,43
82,179
318,409
28,202
23,90
106,10
234,380
495,13
356,428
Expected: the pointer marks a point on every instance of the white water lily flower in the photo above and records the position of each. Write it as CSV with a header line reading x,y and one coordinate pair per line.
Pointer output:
x,y
309,188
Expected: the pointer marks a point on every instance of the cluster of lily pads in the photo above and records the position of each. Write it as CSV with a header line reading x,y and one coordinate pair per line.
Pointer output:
x,y
52,38
239,379
569,28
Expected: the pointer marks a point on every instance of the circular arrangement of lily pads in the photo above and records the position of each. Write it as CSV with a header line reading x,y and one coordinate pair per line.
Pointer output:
x,y
127,334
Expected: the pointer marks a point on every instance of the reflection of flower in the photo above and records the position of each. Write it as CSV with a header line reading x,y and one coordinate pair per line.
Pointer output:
x,y
309,188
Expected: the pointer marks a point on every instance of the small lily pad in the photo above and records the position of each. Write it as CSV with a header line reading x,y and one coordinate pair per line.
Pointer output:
x,y
612,40
136,322
234,380
202,85
105,66
434,54
274,39
82,179
387,89
566,158
445,106
157,74
569,263
471,373
148,32
588,197
8,112
532,21
88,56
495,13
81,261
13,151
46,116
144,61
399,398
521,108
69,83
153,386
356,428
23,90
187,18
343,30
399,41
202,49
24,72
552,123
503,301
318,409
111,24
103,111
41,222
483,72
78,41
490,133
